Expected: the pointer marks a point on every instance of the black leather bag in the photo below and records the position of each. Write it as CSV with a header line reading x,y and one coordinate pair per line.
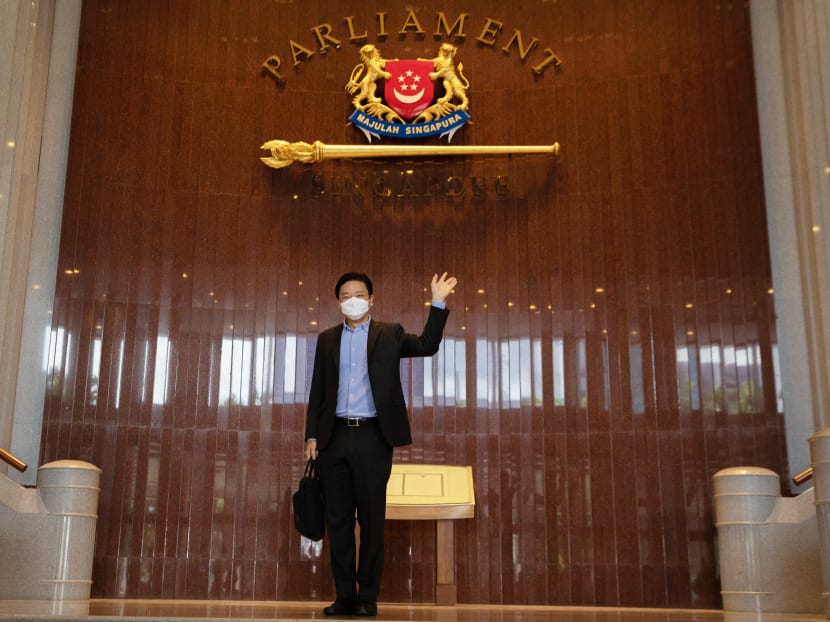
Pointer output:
x,y
308,504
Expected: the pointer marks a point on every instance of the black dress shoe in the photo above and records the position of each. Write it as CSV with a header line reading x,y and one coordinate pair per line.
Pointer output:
x,y
340,607
366,608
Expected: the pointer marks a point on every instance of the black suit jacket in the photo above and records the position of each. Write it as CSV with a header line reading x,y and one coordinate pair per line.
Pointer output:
x,y
387,344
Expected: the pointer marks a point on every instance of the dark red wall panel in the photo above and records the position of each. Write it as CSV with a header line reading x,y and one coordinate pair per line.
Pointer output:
x,y
611,341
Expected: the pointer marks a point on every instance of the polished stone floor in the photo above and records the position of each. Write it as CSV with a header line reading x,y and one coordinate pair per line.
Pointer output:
x,y
179,610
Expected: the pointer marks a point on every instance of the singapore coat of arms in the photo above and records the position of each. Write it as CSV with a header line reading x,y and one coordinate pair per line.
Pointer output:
x,y
408,107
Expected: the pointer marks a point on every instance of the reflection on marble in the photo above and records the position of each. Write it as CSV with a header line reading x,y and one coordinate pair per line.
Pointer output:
x,y
159,610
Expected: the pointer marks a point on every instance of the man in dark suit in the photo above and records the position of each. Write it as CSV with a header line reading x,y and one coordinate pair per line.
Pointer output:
x,y
356,416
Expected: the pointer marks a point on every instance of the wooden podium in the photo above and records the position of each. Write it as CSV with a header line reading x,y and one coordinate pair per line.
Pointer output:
x,y
434,492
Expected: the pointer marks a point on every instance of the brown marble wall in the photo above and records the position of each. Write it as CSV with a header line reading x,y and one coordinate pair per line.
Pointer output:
x,y
611,341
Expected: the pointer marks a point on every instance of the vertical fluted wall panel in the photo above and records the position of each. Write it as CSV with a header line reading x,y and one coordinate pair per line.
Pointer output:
x,y
609,348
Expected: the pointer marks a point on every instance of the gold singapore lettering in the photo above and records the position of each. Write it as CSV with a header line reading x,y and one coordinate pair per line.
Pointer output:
x,y
500,184
407,185
432,187
454,187
318,186
380,187
346,186
406,189
479,185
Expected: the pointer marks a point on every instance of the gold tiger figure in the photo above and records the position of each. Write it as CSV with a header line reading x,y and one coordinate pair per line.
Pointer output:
x,y
445,70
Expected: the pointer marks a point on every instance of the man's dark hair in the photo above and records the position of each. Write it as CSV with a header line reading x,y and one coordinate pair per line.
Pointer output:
x,y
352,276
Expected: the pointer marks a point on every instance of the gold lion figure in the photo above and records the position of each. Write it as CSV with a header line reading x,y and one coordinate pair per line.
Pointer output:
x,y
454,87
363,82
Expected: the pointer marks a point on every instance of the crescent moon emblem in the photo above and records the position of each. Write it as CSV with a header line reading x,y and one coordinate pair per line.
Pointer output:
x,y
408,99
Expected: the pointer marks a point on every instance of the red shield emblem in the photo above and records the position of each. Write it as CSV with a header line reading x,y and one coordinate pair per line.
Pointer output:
x,y
409,91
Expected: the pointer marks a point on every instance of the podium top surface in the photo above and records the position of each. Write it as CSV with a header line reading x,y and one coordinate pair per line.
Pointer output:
x,y
429,492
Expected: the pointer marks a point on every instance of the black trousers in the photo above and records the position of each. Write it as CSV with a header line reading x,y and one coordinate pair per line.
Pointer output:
x,y
354,470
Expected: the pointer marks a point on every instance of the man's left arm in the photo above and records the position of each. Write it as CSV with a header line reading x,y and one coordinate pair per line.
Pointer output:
x,y
430,339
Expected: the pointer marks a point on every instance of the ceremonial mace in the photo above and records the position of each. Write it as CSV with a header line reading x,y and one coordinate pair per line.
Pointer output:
x,y
284,153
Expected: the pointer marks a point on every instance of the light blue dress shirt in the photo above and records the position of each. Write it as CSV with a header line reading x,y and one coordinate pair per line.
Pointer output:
x,y
354,392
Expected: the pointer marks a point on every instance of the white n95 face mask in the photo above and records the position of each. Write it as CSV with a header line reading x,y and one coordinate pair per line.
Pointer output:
x,y
354,308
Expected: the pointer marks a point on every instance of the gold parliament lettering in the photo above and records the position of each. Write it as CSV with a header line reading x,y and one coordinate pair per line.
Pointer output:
x,y
405,184
490,34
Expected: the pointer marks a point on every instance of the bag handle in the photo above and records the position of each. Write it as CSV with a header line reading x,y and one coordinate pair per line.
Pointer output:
x,y
311,469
